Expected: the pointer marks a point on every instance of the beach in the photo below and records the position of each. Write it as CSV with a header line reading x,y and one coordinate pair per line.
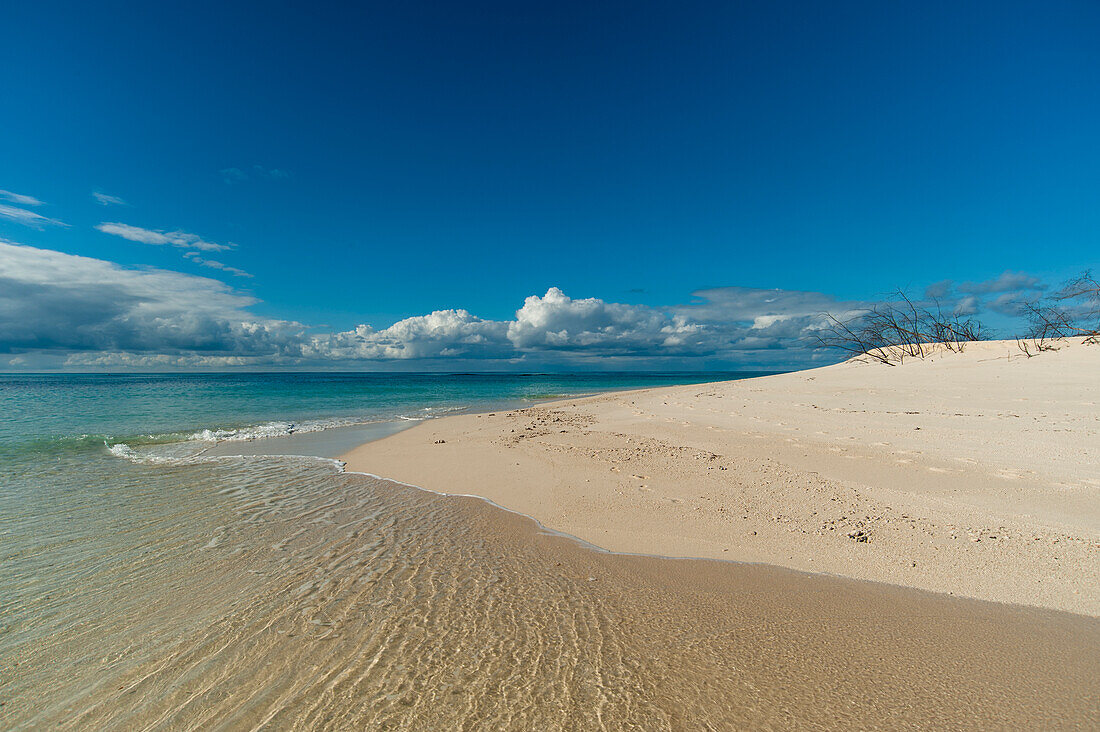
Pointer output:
x,y
236,577
975,474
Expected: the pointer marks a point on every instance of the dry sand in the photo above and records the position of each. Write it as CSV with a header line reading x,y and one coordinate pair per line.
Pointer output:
x,y
975,474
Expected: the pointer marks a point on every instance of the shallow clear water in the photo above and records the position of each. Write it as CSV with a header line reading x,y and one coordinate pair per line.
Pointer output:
x,y
103,495
162,588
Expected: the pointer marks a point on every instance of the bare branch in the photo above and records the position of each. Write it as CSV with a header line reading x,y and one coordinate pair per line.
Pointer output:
x,y
1073,311
890,332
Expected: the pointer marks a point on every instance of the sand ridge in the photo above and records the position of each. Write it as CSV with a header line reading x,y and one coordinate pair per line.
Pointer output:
x,y
976,474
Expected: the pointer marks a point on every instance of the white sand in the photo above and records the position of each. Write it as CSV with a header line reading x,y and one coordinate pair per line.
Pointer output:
x,y
976,474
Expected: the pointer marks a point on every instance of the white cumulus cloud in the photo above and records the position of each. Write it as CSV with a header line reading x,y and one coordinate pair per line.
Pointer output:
x,y
557,322
440,334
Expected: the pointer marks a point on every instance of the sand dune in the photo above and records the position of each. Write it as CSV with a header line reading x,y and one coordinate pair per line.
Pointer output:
x,y
976,474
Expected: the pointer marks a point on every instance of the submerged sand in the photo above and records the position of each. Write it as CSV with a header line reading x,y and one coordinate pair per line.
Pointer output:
x,y
975,474
361,604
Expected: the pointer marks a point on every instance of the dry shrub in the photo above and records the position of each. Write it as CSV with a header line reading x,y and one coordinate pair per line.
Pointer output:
x,y
1072,311
890,332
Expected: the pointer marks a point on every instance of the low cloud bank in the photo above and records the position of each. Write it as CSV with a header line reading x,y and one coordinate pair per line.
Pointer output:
x,y
64,311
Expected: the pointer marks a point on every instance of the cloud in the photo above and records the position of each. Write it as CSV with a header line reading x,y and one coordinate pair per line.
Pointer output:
x,y
19,198
765,319
64,311
62,303
1007,282
1010,304
90,313
559,323
939,290
194,257
728,323
967,305
27,218
108,200
747,304
145,361
180,239
233,175
22,215
440,334
237,175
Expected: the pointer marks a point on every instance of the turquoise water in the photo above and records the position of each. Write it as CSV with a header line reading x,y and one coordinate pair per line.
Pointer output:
x,y
51,413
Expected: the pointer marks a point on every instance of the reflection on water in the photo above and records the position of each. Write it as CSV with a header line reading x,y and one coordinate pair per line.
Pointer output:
x,y
282,593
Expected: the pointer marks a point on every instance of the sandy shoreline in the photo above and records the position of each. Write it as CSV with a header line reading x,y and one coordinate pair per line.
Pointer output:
x,y
975,474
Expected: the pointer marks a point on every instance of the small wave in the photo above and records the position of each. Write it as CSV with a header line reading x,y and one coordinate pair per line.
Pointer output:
x,y
187,454
282,428
124,451
430,413
270,429
178,448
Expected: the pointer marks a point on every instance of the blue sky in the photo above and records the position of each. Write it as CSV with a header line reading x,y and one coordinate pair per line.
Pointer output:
x,y
340,165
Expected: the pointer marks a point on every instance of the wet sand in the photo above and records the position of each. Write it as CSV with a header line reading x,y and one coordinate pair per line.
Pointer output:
x,y
348,602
